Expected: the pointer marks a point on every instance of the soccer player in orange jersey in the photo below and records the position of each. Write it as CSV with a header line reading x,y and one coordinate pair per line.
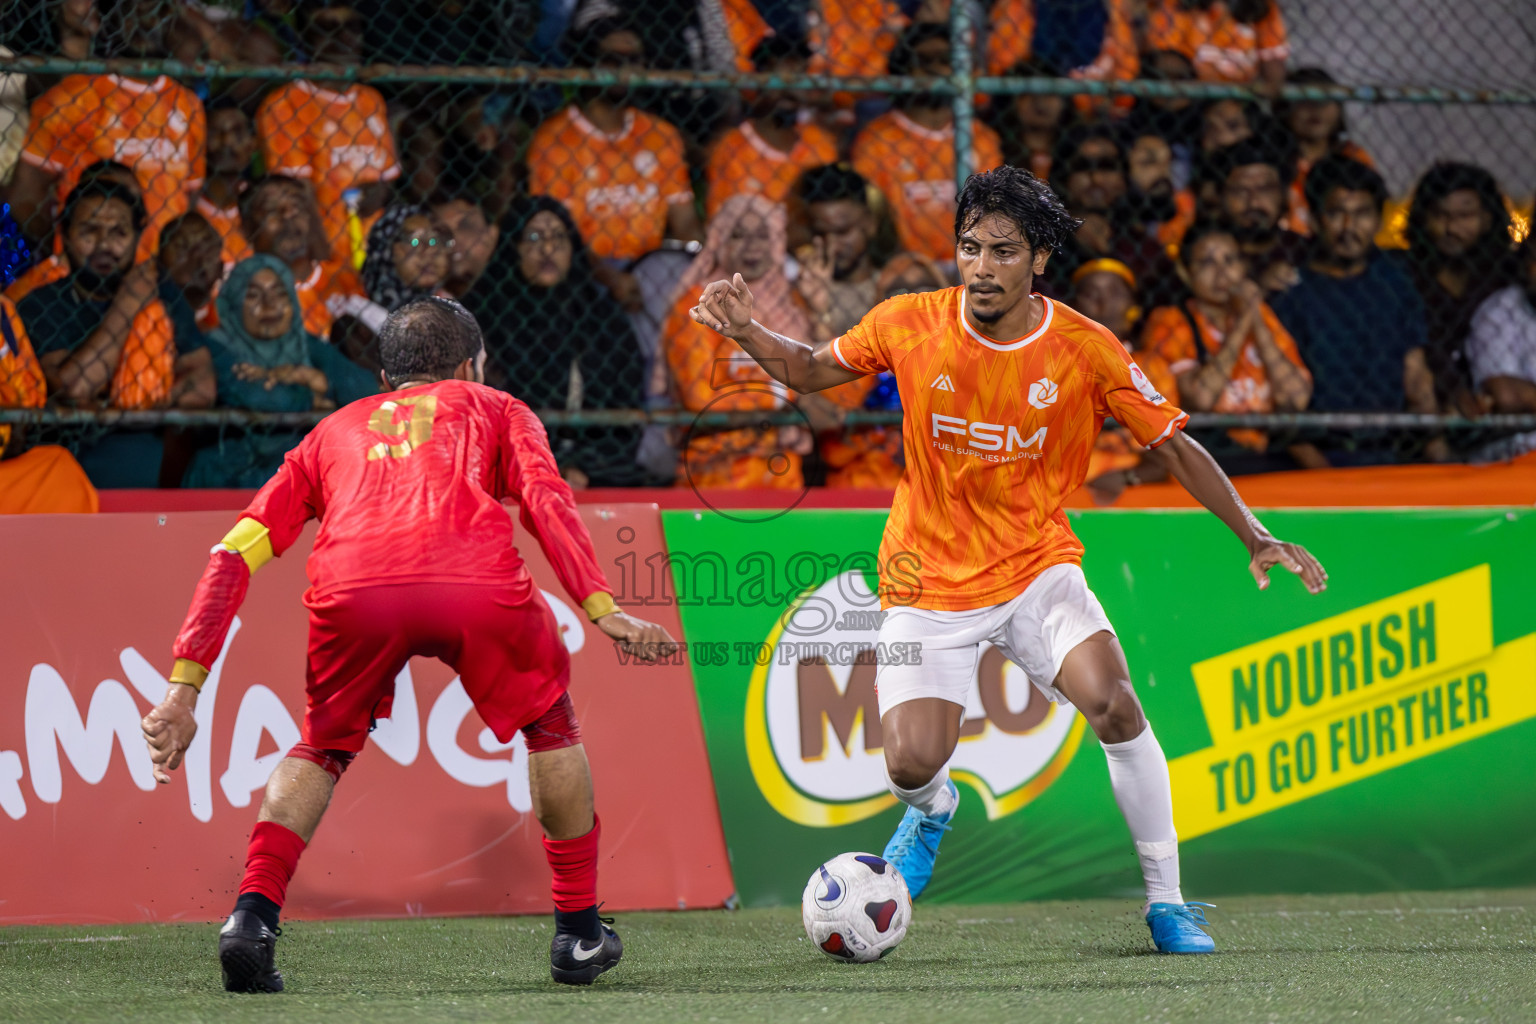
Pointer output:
x,y
414,557
1004,393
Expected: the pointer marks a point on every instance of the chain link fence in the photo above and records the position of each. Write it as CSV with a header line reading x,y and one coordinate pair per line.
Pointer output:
x,y
1308,221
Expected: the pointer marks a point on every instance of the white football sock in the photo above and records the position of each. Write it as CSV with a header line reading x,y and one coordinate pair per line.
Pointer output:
x,y
932,799
1138,773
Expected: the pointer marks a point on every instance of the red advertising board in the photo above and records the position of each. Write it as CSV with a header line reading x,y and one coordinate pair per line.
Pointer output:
x,y
434,818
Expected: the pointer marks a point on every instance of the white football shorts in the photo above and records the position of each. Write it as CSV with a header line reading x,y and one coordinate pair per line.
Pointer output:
x,y
1035,630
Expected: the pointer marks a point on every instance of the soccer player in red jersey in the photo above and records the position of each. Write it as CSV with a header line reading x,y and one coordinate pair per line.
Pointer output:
x,y
414,557
1004,393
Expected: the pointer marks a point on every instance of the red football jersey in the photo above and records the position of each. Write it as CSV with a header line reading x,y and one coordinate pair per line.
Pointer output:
x,y
408,487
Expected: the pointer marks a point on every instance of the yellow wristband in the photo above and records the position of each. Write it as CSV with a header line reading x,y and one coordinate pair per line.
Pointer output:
x,y
251,541
599,604
190,673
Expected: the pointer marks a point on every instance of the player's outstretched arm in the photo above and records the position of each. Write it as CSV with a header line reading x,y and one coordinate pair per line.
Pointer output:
x,y
726,306
170,726
1191,465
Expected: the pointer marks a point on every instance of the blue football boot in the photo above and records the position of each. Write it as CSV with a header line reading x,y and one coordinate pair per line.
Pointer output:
x,y
1176,927
916,843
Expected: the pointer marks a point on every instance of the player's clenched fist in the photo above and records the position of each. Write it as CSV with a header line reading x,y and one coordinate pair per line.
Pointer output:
x,y
725,306
645,640
169,728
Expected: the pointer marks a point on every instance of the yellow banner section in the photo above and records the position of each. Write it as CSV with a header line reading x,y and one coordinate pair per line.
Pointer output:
x,y
1382,729
1276,684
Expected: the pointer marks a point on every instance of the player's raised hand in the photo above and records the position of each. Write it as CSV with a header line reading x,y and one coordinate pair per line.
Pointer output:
x,y
168,729
725,306
1271,552
644,640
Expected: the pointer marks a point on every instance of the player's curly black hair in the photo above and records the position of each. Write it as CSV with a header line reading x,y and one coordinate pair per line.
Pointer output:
x,y
427,338
1018,196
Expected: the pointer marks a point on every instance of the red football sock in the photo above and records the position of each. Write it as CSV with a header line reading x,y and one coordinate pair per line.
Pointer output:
x,y
271,859
574,864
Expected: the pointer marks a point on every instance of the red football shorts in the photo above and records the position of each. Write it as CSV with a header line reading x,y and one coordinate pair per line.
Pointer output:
x,y
506,649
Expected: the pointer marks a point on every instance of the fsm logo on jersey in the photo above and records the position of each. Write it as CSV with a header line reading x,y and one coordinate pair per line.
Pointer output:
x,y
813,735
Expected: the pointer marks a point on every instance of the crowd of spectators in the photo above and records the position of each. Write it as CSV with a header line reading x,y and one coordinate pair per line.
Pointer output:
x,y
237,243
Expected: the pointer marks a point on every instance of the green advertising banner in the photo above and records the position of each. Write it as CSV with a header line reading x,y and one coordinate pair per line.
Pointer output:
x,y
1381,735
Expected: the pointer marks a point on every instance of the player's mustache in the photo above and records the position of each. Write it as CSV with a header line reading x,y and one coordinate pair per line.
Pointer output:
x,y
983,289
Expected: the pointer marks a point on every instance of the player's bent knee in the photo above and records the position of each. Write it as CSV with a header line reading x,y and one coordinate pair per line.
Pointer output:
x,y
909,773
333,762
1114,714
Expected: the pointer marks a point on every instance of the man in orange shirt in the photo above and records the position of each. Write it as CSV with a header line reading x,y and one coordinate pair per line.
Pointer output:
x,y
154,127
338,139
1222,48
621,172
231,145
909,153
765,154
278,216
1004,392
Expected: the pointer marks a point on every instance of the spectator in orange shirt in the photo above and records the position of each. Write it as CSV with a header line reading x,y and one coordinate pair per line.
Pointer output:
x,y
45,478
56,267
765,154
838,277
1105,291
155,126
1240,41
620,172
711,372
1224,345
338,139
909,153
1093,41
231,145
853,37
278,216
1319,130
1157,209
1029,125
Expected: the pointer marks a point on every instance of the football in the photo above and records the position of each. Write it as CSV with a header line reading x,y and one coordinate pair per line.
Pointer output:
x,y
856,908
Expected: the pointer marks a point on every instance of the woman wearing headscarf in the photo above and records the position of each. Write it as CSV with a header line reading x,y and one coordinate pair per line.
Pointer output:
x,y
266,361
711,372
557,339
407,258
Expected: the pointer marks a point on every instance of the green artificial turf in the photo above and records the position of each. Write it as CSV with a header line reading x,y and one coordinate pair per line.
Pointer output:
x,y
1455,957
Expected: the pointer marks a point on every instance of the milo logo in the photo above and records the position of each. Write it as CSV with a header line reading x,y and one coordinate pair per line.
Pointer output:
x,y
813,735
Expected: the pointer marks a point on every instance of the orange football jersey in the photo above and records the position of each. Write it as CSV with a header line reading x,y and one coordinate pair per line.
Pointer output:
x,y
157,128
21,378
1221,48
226,221
54,268
743,163
617,187
336,140
1010,39
915,168
996,435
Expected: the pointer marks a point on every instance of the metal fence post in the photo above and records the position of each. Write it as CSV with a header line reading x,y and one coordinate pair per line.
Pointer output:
x,y
962,35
